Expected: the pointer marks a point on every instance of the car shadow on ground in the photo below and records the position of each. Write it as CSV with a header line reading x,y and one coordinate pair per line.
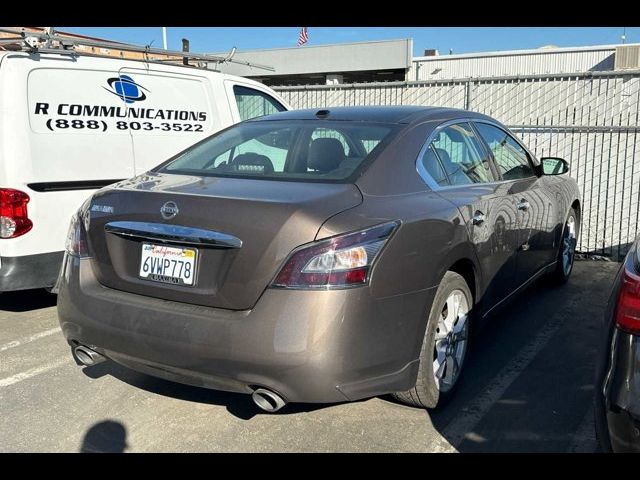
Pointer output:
x,y
26,300
528,380
238,404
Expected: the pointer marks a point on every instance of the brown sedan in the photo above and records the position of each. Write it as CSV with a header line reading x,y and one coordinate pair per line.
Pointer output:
x,y
317,255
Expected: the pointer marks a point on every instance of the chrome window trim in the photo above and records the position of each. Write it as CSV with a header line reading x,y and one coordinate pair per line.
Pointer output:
x,y
163,232
433,185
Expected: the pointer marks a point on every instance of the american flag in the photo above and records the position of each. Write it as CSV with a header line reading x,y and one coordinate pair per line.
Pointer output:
x,y
303,37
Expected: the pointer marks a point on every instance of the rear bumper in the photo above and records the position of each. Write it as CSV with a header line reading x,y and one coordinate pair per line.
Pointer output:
x,y
623,428
308,346
29,271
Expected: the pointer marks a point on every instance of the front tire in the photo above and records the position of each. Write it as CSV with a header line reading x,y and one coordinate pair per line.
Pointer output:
x,y
567,248
445,345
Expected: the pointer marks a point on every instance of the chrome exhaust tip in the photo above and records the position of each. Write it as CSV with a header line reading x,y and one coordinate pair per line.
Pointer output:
x,y
87,357
267,400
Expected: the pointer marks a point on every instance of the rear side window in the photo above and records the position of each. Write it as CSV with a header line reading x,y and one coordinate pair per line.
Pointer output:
x,y
432,165
307,150
511,159
460,155
254,103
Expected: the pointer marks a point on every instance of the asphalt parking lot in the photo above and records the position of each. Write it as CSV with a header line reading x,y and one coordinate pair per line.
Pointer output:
x,y
527,388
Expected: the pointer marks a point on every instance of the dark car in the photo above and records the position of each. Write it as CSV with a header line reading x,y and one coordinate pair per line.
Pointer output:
x,y
317,255
617,396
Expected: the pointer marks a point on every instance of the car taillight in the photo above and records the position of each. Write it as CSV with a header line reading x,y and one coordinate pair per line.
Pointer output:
x,y
14,220
628,306
338,262
76,244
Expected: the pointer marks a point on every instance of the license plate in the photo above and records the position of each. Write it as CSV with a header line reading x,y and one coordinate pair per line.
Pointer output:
x,y
175,265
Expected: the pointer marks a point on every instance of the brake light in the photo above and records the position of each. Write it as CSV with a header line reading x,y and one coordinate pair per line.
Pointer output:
x,y
628,306
339,262
76,243
14,220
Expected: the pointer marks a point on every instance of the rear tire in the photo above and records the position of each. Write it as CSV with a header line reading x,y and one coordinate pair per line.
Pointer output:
x,y
445,345
567,248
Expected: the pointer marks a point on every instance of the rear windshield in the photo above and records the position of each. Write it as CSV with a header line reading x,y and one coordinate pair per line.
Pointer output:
x,y
307,150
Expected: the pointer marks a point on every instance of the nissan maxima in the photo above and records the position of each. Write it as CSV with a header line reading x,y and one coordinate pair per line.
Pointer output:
x,y
317,255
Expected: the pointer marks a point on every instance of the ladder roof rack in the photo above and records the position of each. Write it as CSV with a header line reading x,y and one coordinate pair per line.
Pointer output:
x,y
45,42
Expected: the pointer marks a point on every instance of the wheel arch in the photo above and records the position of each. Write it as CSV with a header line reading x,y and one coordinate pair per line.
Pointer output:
x,y
462,260
467,270
578,209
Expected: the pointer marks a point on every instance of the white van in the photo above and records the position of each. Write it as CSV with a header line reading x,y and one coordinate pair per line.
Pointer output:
x,y
72,124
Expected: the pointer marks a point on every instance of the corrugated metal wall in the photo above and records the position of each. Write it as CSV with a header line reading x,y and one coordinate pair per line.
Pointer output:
x,y
589,119
543,62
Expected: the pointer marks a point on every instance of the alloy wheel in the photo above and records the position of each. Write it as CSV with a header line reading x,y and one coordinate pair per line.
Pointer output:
x,y
451,339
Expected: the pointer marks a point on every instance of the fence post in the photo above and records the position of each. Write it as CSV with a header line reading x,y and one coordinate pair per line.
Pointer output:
x,y
468,95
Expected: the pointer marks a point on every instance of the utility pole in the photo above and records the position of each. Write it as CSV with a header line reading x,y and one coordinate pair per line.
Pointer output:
x,y
164,37
624,34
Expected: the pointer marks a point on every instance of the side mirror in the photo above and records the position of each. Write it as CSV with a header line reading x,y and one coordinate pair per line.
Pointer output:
x,y
554,166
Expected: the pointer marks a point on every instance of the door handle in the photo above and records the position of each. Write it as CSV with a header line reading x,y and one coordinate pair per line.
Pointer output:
x,y
478,218
523,205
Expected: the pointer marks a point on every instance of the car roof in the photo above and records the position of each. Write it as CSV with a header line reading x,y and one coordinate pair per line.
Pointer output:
x,y
404,114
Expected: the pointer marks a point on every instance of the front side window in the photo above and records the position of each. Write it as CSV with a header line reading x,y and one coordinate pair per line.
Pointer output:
x,y
305,150
510,158
254,103
460,155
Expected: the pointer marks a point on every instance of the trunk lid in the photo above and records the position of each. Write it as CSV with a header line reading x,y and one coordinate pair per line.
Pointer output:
x,y
250,227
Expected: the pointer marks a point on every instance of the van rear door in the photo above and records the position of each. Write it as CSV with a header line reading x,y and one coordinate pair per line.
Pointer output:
x,y
169,111
73,117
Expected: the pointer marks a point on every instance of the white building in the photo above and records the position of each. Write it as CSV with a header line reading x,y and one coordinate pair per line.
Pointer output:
x,y
391,60
545,60
377,61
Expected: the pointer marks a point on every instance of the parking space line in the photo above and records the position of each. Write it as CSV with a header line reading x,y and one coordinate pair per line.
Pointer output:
x,y
5,382
584,439
22,341
456,431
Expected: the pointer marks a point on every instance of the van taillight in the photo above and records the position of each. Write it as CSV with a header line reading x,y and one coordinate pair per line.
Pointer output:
x,y
628,306
14,220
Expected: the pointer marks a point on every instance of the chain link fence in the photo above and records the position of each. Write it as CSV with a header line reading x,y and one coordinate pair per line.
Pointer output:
x,y
590,119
